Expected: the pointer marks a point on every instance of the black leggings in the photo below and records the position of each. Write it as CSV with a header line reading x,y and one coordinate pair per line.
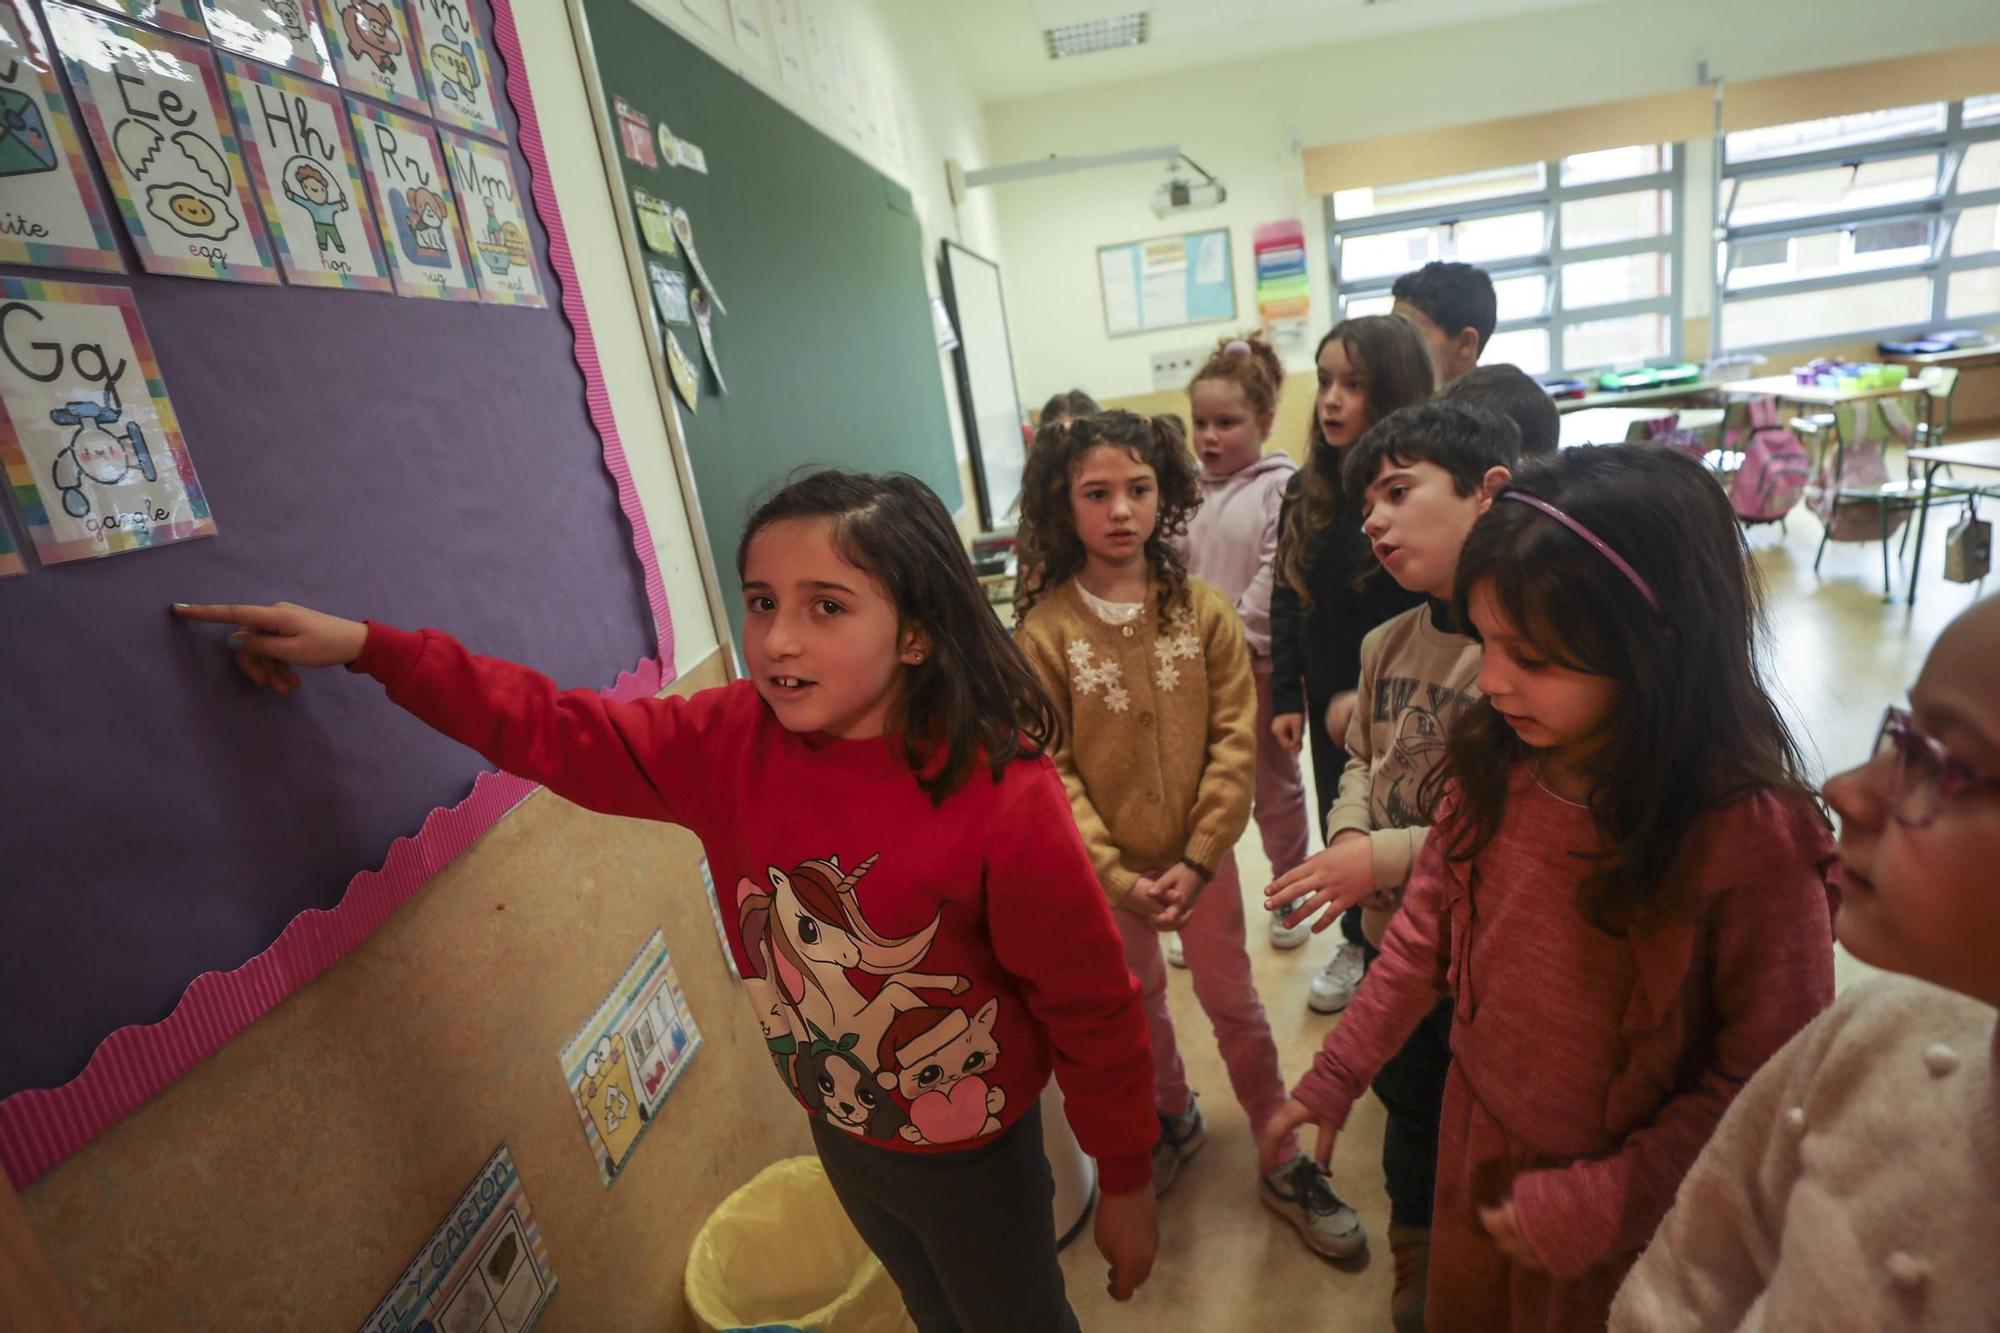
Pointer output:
x,y
969,1237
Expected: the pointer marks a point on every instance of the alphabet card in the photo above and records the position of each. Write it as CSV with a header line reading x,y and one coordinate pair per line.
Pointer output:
x,y
157,114
10,559
622,1064
285,33
420,226
295,138
374,52
181,17
455,64
496,221
94,456
53,213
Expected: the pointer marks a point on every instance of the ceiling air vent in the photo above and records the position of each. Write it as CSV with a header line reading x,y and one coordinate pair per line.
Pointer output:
x,y
1080,39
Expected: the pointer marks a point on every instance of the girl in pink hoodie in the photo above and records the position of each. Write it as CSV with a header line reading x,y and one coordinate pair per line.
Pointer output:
x,y
1231,543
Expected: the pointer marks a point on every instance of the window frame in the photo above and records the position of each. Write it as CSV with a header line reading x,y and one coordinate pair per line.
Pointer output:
x,y
1942,210
1549,263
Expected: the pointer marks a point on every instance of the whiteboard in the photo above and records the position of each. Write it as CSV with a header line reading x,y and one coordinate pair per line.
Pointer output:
x,y
986,389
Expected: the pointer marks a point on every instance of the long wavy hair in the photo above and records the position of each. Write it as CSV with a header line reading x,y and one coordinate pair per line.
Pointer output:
x,y
1393,361
1691,729
974,694
1051,552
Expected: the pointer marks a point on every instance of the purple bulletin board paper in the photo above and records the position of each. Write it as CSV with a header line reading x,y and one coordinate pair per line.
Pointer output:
x,y
54,214
132,927
456,67
421,231
375,53
93,451
181,17
161,125
300,156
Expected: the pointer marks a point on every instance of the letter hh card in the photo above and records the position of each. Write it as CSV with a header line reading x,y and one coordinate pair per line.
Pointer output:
x,y
413,197
157,114
301,155
374,52
50,209
455,65
94,457
496,220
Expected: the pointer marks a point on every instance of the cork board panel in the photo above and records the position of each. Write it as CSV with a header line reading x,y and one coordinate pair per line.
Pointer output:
x,y
287,1181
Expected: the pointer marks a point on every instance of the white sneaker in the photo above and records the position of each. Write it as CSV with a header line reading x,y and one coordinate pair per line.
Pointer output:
x,y
1333,989
1181,1137
1288,937
1302,1194
1175,953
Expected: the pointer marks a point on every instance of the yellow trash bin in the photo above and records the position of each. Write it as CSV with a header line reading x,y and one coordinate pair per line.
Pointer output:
x,y
780,1254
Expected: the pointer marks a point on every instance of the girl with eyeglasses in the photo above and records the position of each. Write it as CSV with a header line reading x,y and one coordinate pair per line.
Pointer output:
x,y
1855,1183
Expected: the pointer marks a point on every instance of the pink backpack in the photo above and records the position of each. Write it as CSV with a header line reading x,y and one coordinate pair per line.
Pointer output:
x,y
1775,467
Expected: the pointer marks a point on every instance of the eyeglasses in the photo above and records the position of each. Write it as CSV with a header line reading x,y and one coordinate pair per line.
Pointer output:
x,y
1927,775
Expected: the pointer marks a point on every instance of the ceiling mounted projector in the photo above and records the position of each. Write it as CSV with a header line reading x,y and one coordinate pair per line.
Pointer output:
x,y
1181,196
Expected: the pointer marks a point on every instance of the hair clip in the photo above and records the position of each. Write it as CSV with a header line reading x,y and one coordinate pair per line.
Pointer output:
x,y
1237,345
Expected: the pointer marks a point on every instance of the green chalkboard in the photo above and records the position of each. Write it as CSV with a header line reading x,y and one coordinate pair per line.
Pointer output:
x,y
827,346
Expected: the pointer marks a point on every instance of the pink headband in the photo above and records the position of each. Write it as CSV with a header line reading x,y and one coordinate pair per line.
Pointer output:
x,y
1603,549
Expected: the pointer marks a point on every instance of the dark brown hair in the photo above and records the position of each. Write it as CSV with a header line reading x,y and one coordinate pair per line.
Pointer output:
x,y
1510,391
1691,730
1051,551
1070,403
1252,365
974,694
1393,361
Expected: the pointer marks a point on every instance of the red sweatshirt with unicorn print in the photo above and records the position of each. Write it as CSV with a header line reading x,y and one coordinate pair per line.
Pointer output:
x,y
916,970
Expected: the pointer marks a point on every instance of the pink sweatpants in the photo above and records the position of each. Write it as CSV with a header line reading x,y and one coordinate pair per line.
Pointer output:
x,y
1220,966
1281,796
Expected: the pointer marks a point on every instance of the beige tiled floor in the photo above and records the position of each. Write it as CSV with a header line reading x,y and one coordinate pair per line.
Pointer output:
x,y
1840,654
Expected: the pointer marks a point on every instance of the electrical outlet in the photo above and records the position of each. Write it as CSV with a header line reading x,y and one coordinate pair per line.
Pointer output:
x,y
1172,370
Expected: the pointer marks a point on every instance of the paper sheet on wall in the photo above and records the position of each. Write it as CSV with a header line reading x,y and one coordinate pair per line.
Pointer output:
x,y
789,43
621,1065
285,33
1121,289
160,120
300,154
94,456
752,37
456,66
180,17
413,196
53,211
374,51
486,1268
496,221
1163,281
1209,267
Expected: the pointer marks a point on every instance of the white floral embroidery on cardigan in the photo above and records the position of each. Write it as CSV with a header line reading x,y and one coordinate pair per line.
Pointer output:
x,y
1185,642
1086,674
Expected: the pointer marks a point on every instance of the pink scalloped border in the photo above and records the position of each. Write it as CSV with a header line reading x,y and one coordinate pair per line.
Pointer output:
x,y
41,1127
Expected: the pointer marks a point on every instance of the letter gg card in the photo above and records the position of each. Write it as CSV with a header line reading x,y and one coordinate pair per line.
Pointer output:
x,y
94,457
157,114
297,145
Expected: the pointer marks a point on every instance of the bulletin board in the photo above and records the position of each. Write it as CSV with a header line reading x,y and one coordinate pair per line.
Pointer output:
x,y
1166,282
183,850
824,348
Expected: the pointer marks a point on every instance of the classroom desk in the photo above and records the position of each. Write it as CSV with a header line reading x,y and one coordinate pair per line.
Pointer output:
x,y
1965,358
1978,455
1667,396
1613,425
1789,390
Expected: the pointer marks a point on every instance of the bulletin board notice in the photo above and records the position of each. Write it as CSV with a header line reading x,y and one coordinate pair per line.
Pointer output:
x,y
1166,282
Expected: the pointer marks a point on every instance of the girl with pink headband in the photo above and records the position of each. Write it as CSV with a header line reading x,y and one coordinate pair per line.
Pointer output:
x,y
1624,889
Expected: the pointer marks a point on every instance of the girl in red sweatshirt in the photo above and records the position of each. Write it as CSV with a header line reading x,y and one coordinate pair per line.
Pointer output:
x,y
917,922
1624,889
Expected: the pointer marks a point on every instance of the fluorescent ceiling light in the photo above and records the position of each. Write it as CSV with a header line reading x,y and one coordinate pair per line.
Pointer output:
x,y
1080,39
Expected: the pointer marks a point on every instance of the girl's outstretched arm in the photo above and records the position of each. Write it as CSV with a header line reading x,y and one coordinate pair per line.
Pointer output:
x,y
636,758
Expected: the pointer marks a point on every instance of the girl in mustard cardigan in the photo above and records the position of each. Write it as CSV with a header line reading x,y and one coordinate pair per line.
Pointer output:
x,y
1150,673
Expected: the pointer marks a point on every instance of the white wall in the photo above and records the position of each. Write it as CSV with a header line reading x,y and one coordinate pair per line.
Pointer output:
x,y
938,119
1246,121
